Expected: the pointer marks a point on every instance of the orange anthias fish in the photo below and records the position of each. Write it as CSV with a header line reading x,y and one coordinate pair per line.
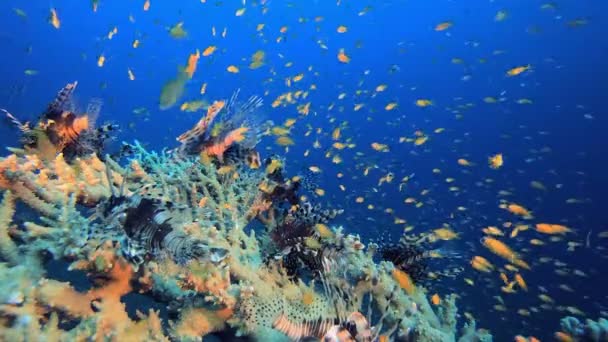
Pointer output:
x,y
521,282
518,70
342,57
547,228
192,61
209,50
443,26
54,19
519,210
495,161
481,264
502,250
405,281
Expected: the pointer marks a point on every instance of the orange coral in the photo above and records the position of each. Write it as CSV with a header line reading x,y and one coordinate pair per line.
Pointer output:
x,y
119,283
7,164
203,279
62,296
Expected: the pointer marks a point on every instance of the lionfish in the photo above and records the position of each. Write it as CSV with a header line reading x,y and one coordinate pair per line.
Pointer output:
x,y
348,323
292,236
227,131
145,230
60,130
412,256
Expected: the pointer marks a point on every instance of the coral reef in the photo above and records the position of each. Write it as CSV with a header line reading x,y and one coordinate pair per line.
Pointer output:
x,y
588,331
176,227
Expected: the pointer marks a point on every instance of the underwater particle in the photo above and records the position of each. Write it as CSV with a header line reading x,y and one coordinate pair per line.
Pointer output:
x,y
147,5
232,69
178,31
54,19
135,44
240,12
342,29
30,72
131,74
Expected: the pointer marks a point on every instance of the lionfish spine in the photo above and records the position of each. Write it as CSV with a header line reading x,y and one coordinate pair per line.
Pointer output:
x,y
62,97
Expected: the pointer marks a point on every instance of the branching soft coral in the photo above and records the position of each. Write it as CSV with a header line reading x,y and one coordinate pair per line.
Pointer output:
x,y
8,249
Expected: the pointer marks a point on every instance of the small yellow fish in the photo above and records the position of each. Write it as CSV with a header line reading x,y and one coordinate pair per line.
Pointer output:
x,y
518,70
496,161
209,50
101,60
284,141
423,103
54,19
390,106
445,234
233,69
